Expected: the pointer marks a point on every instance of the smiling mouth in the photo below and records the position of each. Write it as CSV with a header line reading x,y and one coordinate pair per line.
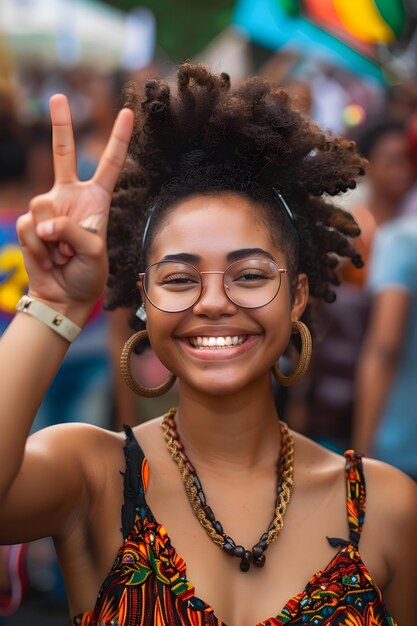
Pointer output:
x,y
216,343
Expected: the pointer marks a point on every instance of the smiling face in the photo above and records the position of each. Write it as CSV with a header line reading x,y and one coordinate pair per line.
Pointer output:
x,y
216,346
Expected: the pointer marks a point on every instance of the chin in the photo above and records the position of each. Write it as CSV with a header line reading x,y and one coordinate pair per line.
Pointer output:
x,y
221,384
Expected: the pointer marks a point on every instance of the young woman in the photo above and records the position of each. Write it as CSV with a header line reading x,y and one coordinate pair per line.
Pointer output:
x,y
217,234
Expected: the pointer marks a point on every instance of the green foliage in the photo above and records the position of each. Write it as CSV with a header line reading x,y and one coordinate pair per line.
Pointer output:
x,y
184,27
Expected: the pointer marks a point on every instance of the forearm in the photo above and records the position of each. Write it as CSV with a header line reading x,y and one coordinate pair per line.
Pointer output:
x,y
373,382
30,355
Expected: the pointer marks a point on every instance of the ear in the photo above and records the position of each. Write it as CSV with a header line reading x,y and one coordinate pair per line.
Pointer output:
x,y
300,297
139,285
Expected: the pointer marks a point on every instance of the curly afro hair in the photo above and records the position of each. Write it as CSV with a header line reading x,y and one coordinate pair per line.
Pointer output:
x,y
209,139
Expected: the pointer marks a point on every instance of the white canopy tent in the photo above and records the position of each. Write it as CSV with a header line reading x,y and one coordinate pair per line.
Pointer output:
x,y
66,32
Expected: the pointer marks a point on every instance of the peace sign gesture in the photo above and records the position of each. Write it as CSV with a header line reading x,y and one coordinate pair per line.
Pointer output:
x,y
63,236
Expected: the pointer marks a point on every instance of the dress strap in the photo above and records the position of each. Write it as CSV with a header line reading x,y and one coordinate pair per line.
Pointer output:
x,y
355,499
135,482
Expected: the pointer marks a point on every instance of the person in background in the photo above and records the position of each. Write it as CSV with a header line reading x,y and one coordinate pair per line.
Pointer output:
x,y
330,400
385,424
391,175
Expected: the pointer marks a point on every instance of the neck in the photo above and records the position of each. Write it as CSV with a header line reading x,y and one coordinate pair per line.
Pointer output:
x,y
234,432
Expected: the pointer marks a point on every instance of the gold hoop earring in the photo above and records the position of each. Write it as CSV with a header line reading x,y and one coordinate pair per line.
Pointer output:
x,y
304,360
146,392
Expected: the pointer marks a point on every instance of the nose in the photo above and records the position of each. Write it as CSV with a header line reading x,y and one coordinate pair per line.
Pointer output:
x,y
213,301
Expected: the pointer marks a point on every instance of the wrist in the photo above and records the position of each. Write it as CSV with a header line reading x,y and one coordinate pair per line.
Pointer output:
x,y
64,320
77,312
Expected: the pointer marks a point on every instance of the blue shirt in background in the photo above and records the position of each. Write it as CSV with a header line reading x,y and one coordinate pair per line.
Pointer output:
x,y
393,266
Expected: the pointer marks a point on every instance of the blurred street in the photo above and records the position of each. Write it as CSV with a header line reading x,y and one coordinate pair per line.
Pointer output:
x,y
37,612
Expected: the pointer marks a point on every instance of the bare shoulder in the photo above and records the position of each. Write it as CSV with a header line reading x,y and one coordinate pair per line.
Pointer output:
x,y
391,514
390,494
392,497
313,459
66,469
75,436
92,448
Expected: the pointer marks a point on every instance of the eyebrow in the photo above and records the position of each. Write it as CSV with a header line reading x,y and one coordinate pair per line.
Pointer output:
x,y
182,257
244,253
235,255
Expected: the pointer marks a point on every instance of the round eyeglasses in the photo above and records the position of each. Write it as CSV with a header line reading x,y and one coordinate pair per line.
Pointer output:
x,y
173,286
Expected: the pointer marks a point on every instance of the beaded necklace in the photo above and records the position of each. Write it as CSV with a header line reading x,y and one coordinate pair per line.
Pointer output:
x,y
204,513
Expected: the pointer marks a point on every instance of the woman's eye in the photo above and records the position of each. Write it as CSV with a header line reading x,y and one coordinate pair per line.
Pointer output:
x,y
251,276
178,280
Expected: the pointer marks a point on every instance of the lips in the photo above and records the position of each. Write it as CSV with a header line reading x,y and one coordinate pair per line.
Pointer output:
x,y
225,342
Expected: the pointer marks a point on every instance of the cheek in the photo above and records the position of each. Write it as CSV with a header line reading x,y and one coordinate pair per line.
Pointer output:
x,y
160,330
277,328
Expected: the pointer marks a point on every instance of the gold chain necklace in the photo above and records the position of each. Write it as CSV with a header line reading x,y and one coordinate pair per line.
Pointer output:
x,y
205,515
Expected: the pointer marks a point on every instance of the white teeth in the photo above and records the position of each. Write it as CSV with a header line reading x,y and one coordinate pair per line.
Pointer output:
x,y
215,343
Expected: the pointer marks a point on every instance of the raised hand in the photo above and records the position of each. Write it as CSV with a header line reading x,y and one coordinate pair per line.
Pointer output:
x,y
63,236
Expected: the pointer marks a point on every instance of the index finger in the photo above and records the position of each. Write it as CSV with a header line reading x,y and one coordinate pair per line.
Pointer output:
x,y
114,155
63,144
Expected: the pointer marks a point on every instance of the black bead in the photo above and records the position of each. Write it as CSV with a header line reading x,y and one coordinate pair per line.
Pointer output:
x,y
239,551
228,547
197,483
244,566
230,540
247,556
271,526
257,551
264,545
209,513
201,497
246,561
218,528
264,538
260,562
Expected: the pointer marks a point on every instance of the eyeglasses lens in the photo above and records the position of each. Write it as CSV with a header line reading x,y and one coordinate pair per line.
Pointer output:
x,y
252,283
174,287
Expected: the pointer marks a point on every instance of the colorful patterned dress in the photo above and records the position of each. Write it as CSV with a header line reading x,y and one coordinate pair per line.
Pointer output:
x,y
148,586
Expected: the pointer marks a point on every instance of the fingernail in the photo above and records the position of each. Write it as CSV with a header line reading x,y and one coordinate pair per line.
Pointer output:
x,y
67,250
45,228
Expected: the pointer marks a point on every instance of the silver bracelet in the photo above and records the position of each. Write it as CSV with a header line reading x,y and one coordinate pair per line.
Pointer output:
x,y
58,322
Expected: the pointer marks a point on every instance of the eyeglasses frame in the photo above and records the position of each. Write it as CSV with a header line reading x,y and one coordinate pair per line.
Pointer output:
x,y
281,271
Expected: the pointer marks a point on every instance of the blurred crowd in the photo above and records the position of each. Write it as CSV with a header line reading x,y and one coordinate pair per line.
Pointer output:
x,y
359,391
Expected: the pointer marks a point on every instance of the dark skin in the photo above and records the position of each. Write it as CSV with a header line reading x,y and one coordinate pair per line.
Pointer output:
x,y
65,480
